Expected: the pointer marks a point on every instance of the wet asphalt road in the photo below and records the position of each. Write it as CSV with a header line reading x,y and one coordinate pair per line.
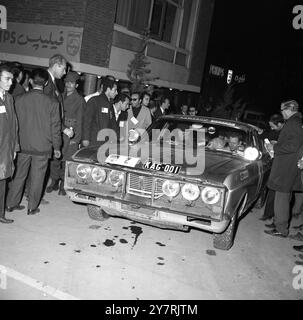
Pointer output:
x,y
61,253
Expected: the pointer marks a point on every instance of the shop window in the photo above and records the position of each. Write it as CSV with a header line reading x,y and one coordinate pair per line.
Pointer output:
x,y
163,20
139,15
122,12
161,17
185,23
133,14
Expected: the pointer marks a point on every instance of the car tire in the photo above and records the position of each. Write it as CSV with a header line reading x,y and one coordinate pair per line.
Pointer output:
x,y
225,240
262,199
96,213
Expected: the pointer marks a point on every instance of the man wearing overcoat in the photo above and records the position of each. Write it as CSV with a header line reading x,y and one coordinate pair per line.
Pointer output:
x,y
8,136
285,176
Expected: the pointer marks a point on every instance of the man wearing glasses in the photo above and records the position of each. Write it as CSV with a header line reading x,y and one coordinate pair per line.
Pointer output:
x,y
8,137
139,116
285,176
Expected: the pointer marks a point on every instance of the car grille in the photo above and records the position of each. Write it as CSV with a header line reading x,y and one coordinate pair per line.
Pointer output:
x,y
143,186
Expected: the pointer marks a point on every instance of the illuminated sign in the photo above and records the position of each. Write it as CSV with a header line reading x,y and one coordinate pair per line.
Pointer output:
x,y
216,71
229,74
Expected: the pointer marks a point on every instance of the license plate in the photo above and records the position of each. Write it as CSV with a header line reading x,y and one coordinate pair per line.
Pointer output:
x,y
122,160
164,167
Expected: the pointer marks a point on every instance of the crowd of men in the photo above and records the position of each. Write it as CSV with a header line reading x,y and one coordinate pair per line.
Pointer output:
x,y
43,127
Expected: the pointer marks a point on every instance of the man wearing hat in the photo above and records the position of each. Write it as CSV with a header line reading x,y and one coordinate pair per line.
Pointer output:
x,y
74,105
285,176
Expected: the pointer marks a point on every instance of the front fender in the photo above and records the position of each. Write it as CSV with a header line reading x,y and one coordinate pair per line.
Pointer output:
x,y
236,200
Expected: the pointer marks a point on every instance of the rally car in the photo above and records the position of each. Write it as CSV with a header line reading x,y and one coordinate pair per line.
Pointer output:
x,y
175,175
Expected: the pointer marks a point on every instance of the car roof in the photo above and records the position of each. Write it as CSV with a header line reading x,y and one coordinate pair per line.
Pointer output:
x,y
227,122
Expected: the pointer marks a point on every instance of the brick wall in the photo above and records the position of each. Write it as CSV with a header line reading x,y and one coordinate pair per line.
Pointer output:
x,y
53,12
201,42
98,32
95,16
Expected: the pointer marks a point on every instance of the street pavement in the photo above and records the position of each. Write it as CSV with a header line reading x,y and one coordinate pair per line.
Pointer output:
x,y
60,253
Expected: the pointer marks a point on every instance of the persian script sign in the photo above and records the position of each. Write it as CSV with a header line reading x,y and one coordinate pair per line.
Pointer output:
x,y
41,41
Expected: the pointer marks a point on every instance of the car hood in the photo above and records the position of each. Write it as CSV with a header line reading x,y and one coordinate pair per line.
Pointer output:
x,y
215,168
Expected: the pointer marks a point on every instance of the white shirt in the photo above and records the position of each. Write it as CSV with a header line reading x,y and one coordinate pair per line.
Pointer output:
x,y
86,98
117,113
53,78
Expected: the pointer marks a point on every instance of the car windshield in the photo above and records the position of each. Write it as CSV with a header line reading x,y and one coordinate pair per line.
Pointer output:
x,y
212,136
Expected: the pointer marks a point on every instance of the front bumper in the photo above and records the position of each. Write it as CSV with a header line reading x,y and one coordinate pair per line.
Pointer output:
x,y
147,214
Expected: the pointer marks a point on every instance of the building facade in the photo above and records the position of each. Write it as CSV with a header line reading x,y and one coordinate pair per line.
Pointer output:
x,y
100,37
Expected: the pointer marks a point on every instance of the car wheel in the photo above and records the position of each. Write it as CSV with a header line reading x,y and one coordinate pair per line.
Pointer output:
x,y
225,240
261,200
96,213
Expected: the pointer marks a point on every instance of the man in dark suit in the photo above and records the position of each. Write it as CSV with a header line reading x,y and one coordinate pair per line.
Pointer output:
x,y
73,105
18,72
184,109
118,116
285,176
276,123
162,109
192,111
40,132
56,70
96,115
8,136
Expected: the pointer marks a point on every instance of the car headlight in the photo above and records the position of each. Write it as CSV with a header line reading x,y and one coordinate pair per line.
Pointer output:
x,y
210,195
190,192
83,171
251,153
116,178
171,188
98,174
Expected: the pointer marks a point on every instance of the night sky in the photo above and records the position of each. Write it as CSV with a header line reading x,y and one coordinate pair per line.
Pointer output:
x,y
257,38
